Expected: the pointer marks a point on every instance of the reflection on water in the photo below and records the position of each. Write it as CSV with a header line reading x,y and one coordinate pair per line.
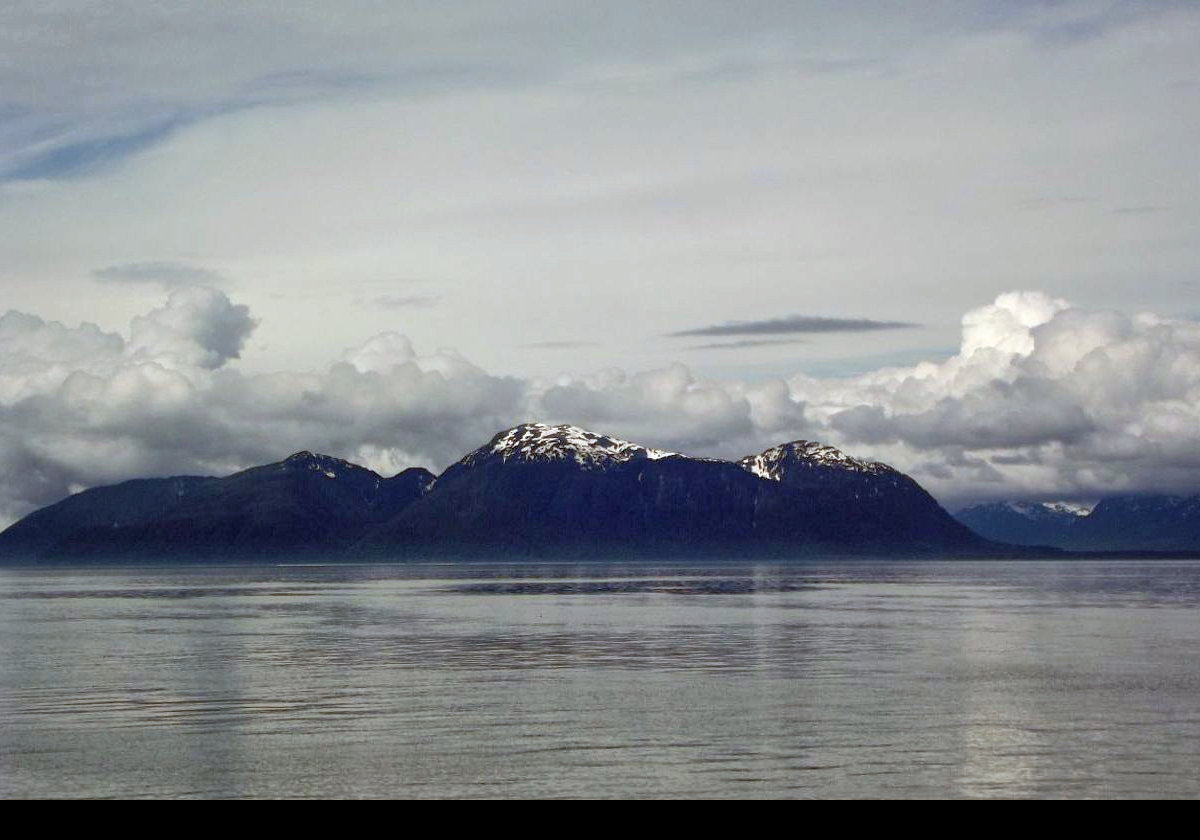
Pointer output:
x,y
839,679
712,585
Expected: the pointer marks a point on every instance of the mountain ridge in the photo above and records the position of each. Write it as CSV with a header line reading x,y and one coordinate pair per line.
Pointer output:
x,y
532,489
1119,523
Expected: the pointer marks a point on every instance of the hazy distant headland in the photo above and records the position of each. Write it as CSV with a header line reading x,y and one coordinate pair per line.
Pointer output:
x,y
1119,523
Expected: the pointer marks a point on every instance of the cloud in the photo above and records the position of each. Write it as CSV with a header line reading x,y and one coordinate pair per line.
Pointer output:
x,y
1141,210
1042,399
1058,400
744,345
568,160
87,156
560,345
198,327
1005,327
126,78
80,406
406,301
793,324
166,274
667,407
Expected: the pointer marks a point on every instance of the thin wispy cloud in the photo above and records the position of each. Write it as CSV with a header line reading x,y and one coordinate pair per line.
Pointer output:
x,y
560,345
89,155
747,344
1080,26
793,324
170,275
405,301
1053,202
1141,210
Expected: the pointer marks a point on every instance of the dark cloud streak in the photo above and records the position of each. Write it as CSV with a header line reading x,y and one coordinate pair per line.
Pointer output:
x,y
167,274
793,324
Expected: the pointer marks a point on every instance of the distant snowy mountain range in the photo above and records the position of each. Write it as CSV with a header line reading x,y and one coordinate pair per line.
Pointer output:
x,y
1117,523
533,490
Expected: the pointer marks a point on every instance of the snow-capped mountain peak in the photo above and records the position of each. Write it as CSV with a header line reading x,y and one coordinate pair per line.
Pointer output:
x,y
541,442
1043,510
1068,508
772,463
331,467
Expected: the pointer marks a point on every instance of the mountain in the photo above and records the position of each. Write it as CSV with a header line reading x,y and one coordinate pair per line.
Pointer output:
x,y
1117,523
1141,523
532,490
1024,523
541,489
306,503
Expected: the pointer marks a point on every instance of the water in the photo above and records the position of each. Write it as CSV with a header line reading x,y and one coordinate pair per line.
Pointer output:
x,y
818,679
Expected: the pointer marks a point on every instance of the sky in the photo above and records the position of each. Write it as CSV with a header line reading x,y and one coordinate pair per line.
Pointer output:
x,y
960,237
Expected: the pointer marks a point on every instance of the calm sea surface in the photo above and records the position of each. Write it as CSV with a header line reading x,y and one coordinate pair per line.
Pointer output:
x,y
813,679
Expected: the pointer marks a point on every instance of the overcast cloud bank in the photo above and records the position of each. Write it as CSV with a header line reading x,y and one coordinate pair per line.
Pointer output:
x,y
1043,400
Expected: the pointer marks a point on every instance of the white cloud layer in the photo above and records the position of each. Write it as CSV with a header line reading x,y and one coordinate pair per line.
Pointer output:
x,y
1043,399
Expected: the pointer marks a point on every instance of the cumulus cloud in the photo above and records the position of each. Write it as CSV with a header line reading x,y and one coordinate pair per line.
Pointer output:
x,y
198,327
1042,399
81,407
665,407
1056,400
